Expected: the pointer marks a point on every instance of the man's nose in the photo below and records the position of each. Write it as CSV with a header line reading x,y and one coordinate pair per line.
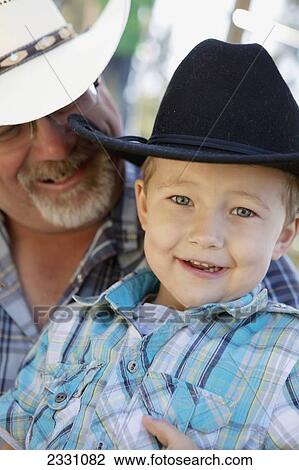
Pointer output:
x,y
207,232
51,140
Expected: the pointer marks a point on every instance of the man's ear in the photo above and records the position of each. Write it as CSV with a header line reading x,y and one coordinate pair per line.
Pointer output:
x,y
141,203
285,239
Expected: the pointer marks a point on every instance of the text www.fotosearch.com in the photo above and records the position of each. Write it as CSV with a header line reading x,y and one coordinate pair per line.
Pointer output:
x,y
111,460
155,459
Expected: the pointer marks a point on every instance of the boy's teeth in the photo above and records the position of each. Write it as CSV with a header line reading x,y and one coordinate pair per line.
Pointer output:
x,y
204,266
197,263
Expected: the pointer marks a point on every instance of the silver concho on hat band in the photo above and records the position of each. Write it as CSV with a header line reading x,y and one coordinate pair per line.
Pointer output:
x,y
36,48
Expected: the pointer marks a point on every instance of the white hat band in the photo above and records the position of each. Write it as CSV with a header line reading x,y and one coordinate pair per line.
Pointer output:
x,y
36,48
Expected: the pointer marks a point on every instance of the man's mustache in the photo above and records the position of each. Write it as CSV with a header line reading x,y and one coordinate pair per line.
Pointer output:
x,y
52,169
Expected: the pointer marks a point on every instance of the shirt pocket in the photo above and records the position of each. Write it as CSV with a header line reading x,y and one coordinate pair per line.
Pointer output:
x,y
196,412
55,417
68,380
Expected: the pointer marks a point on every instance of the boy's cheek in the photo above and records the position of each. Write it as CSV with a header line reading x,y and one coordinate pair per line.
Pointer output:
x,y
250,253
165,235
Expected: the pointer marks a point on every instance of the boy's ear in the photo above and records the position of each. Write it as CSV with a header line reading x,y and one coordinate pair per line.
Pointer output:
x,y
285,239
141,203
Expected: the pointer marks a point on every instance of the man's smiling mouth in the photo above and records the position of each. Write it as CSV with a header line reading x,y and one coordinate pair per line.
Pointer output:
x,y
56,176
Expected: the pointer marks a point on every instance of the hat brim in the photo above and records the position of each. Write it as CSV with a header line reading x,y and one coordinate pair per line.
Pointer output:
x,y
58,77
136,152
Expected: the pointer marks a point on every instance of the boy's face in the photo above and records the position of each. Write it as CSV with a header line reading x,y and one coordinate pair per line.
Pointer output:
x,y
211,230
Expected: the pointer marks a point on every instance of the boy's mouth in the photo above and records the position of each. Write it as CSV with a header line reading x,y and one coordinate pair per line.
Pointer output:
x,y
203,266
203,269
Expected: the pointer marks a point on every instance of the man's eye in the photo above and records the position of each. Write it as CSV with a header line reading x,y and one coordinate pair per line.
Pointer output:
x,y
182,200
243,212
8,132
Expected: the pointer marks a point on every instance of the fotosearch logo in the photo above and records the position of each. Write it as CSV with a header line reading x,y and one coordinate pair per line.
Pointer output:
x,y
148,314
66,313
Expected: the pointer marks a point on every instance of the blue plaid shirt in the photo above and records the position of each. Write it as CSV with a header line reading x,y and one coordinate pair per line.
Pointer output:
x,y
115,251
225,374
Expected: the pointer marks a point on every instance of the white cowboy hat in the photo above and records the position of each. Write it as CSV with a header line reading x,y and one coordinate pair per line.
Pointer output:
x,y
254,23
44,66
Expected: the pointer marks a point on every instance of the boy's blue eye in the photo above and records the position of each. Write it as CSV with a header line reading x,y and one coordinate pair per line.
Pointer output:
x,y
181,200
243,212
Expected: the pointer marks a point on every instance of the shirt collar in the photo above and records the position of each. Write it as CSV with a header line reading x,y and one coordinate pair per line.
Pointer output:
x,y
11,295
126,294
120,230
241,308
123,221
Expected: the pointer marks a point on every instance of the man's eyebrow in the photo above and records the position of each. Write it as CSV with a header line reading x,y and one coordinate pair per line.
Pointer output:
x,y
253,197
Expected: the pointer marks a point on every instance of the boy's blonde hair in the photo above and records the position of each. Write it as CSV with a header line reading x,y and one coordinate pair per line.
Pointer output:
x,y
148,169
290,196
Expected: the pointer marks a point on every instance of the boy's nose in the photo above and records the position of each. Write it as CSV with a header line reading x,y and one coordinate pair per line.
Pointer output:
x,y
207,232
51,141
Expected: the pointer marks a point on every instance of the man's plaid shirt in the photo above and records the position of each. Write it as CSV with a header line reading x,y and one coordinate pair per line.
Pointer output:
x,y
225,374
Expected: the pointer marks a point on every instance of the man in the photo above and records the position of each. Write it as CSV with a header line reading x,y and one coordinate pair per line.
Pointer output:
x,y
68,221
56,190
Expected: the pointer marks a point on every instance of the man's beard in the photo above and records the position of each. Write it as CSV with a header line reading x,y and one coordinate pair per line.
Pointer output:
x,y
88,201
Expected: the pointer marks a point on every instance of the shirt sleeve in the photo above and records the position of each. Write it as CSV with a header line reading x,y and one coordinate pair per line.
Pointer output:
x,y
18,405
283,432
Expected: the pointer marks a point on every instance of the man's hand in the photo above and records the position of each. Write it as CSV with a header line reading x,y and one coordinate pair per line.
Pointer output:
x,y
167,434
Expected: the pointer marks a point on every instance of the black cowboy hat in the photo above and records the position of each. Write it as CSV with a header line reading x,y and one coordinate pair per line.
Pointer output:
x,y
226,103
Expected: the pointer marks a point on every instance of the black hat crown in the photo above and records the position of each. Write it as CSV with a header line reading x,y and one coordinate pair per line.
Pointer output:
x,y
223,95
226,103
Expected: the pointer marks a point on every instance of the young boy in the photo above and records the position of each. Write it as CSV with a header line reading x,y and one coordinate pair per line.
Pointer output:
x,y
194,339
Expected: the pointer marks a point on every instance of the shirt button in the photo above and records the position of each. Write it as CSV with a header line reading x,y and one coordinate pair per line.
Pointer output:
x,y
60,397
132,366
79,278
